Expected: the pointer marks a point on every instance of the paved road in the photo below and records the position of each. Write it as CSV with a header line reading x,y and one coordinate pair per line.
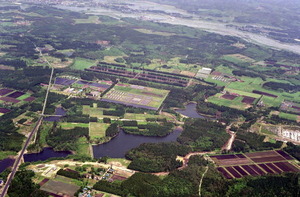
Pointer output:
x,y
34,130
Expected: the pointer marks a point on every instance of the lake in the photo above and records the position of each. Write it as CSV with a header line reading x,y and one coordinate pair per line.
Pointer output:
x,y
45,154
118,146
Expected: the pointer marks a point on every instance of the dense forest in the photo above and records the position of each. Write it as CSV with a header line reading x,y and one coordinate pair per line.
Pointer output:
x,y
203,135
153,157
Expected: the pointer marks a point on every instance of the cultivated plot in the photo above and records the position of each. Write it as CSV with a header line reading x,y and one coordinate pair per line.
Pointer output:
x,y
60,188
136,96
254,164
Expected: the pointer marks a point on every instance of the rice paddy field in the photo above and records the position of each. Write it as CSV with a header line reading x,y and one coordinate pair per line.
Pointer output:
x,y
255,164
136,96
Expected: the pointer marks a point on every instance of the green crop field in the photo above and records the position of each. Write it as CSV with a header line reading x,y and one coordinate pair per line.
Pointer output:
x,y
81,63
97,130
288,116
25,96
96,112
243,93
235,103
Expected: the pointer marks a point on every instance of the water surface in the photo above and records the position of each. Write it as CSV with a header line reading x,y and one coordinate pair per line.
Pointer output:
x,y
190,111
117,147
5,163
45,154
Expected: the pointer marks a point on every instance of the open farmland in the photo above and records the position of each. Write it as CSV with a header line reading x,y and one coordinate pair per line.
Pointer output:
x,y
59,188
255,164
136,96
9,96
233,101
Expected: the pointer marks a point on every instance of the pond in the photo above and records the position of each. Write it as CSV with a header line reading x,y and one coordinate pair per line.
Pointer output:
x,y
190,111
45,154
5,163
118,146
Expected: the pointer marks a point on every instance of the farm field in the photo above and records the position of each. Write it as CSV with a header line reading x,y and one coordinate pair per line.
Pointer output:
x,y
137,96
289,116
58,187
81,63
13,97
235,102
96,112
255,164
97,130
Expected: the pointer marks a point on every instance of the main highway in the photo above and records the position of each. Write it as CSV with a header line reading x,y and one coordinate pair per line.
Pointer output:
x,y
28,140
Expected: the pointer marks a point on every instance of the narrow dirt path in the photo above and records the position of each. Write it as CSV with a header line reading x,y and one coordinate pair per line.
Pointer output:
x,y
200,184
228,145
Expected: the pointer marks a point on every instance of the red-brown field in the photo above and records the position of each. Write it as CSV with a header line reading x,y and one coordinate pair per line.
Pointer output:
x,y
254,164
248,100
229,96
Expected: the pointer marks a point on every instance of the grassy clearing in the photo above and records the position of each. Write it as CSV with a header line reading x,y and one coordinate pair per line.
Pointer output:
x,y
96,112
97,130
5,154
71,125
143,117
288,116
81,63
46,127
237,58
83,147
111,59
124,162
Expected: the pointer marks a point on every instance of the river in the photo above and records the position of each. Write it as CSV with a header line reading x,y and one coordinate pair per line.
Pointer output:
x,y
214,27
118,146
